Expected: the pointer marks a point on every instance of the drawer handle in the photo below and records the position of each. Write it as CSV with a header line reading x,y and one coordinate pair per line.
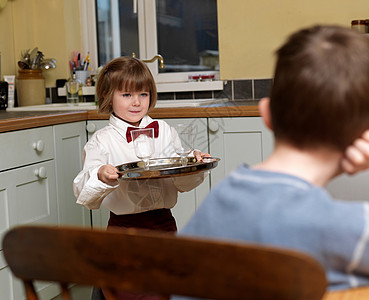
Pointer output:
x,y
40,172
39,145
91,127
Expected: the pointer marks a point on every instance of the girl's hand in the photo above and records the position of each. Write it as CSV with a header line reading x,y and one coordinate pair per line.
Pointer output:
x,y
199,155
107,174
356,156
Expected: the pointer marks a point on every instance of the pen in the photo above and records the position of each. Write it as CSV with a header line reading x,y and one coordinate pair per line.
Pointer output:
x,y
79,59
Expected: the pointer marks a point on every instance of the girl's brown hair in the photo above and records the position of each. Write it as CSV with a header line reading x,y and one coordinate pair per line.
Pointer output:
x,y
124,74
320,93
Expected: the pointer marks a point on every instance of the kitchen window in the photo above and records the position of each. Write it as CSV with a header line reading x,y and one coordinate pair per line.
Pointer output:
x,y
183,32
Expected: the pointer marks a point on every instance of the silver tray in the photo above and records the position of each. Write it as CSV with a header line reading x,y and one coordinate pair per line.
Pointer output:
x,y
165,167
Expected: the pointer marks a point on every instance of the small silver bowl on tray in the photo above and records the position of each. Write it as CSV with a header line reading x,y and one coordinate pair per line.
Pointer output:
x,y
165,167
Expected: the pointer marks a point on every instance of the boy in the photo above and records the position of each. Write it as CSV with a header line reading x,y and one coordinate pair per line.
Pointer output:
x,y
319,106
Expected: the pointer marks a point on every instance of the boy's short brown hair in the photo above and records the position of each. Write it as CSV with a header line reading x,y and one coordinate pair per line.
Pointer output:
x,y
124,74
320,93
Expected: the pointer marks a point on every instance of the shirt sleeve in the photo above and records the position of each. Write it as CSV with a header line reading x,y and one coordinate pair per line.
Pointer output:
x,y
88,189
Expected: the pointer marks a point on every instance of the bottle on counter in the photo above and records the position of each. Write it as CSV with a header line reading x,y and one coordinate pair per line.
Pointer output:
x,y
72,87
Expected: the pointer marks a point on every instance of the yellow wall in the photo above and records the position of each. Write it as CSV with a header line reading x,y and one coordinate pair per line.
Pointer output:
x,y
7,41
250,31
51,25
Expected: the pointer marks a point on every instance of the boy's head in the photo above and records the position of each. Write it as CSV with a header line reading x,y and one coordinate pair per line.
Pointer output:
x,y
320,93
124,74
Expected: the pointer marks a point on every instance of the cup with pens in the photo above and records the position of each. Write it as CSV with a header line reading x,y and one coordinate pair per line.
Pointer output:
x,y
80,66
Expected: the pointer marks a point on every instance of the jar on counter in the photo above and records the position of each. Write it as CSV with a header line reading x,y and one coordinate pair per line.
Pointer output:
x,y
30,85
360,25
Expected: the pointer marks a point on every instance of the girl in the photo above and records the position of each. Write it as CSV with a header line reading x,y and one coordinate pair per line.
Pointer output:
x,y
126,89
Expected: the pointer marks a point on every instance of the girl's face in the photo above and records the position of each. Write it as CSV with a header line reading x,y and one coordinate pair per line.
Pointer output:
x,y
131,106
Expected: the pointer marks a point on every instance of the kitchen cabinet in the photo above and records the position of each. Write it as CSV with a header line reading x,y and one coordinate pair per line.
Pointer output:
x,y
99,217
36,187
350,187
188,201
69,141
6,280
237,140
27,192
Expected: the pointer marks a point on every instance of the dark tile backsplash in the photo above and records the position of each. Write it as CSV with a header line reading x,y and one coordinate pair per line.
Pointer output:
x,y
203,95
226,93
184,95
248,89
262,88
54,95
166,96
242,90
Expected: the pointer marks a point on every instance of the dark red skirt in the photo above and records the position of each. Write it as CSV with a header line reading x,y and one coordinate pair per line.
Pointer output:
x,y
160,219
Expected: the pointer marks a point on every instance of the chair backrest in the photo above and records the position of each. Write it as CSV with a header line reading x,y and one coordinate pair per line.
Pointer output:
x,y
160,263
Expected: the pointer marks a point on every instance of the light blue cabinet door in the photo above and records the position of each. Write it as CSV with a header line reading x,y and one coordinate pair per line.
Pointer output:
x,y
27,196
69,141
6,280
188,202
237,140
99,217
350,187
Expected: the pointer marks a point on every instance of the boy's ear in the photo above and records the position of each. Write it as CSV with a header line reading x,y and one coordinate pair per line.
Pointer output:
x,y
264,109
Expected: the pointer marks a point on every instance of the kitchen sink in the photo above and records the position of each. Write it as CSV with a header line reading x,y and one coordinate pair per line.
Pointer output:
x,y
92,106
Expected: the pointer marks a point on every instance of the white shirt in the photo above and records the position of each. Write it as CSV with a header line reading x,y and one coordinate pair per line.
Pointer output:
x,y
109,146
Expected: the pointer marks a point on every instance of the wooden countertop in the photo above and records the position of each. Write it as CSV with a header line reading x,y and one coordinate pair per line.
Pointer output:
x,y
10,121
16,120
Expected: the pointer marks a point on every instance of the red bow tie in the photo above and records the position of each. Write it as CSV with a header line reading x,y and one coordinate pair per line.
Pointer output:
x,y
154,125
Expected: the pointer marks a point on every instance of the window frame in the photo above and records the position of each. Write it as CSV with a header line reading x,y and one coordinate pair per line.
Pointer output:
x,y
146,10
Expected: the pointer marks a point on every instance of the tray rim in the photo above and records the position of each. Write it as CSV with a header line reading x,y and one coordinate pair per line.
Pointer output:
x,y
191,169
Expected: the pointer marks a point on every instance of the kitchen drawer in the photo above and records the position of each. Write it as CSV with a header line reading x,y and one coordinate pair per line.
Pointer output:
x,y
24,147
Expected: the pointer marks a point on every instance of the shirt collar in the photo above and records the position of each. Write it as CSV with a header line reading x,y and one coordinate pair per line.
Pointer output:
x,y
121,126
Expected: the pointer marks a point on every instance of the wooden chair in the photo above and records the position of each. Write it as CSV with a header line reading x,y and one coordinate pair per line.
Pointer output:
x,y
159,263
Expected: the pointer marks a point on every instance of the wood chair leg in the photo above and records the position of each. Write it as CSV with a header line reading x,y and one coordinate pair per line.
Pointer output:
x,y
109,294
65,292
30,290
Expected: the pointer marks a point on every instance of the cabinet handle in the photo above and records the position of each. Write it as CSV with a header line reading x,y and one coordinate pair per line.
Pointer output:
x,y
40,172
91,127
213,126
39,145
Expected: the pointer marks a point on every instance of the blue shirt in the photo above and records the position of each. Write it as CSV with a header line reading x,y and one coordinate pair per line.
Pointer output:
x,y
286,211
